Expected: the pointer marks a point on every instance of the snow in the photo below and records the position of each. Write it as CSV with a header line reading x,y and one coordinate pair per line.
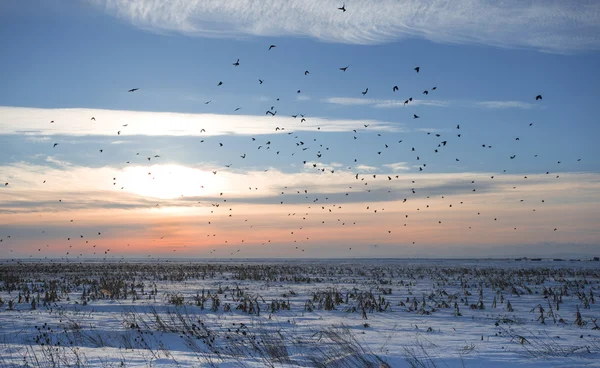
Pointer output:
x,y
130,317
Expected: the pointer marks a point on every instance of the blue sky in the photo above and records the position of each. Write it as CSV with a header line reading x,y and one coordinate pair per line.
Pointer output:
x,y
487,61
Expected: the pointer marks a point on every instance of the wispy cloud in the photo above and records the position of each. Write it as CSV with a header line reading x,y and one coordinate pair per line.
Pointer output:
x,y
398,166
366,168
353,101
179,203
77,122
549,25
505,105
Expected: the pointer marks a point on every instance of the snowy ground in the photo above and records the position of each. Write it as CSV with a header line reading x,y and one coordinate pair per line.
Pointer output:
x,y
304,313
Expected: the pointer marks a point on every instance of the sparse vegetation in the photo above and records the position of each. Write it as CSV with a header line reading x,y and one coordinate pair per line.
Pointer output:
x,y
248,313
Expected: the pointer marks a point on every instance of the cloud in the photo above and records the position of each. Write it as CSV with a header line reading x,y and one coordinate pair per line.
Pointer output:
x,y
548,25
183,186
366,168
353,101
76,122
505,104
330,209
397,166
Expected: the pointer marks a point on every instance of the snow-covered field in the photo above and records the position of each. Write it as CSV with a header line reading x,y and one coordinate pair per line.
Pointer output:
x,y
300,313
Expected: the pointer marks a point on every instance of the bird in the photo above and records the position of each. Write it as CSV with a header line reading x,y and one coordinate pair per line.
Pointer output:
x,y
207,102
417,69
395,89
55,144
237,63
344,68
343,8
306,72
220,84
272,46
426,92
415,116
538,97
133,90
93,118
365,92
260,81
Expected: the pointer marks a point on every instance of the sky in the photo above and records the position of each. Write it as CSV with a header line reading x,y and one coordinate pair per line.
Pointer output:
x,y
285,155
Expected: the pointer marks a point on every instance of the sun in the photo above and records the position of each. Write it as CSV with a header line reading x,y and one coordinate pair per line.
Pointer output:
x,y
173,181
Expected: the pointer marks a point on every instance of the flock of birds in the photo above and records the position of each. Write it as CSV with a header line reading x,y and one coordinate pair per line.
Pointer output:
x,y
316,206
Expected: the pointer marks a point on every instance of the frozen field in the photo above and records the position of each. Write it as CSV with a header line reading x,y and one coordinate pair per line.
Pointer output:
x,y
305,313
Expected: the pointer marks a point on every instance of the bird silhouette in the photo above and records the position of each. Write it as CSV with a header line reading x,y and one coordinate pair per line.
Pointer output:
x,y
395,89
237,63
133,90
272,46
417,69
343,8
344,68
538,97
365,91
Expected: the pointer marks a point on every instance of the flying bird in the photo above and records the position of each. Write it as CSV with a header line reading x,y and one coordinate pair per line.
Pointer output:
x,y
133,90
344,68
272,46
417,69
365,92
237,63
343,8
538,97
395,89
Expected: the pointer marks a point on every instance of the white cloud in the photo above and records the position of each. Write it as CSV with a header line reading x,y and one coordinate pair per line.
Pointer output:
x,y
398,166
355,101
505,104
170,182
366,168
549,25
76,122
351,101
